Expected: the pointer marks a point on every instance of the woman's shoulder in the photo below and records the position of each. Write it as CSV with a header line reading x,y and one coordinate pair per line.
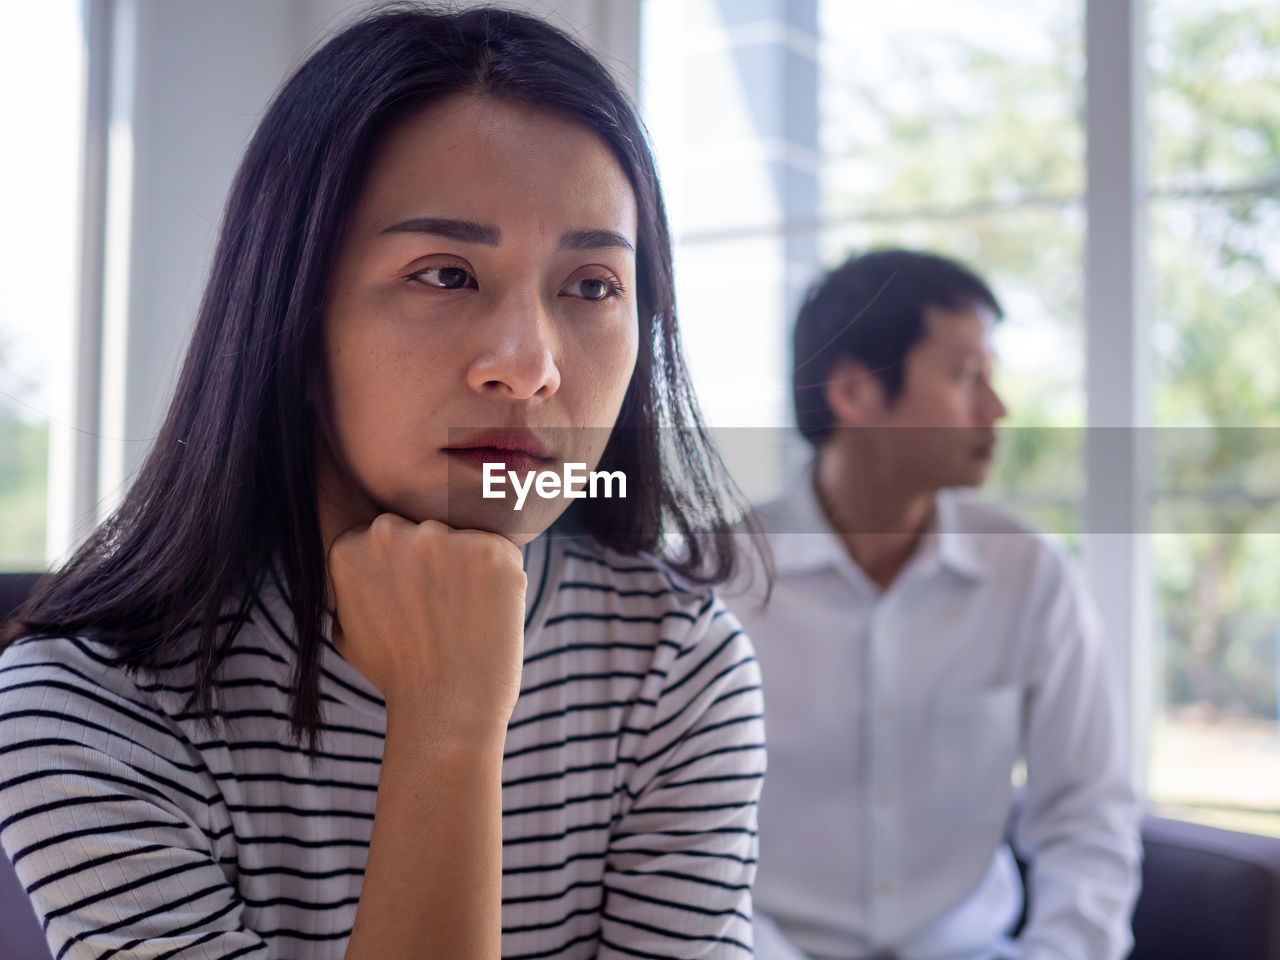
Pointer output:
x,y
638,599
637,585
70,683
32,668
67,697
664,646
640,575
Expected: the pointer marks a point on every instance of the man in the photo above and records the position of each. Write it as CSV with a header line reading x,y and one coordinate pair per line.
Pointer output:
x,y
915,648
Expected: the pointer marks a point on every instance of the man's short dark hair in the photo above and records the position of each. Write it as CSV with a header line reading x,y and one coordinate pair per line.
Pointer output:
x,y
872,309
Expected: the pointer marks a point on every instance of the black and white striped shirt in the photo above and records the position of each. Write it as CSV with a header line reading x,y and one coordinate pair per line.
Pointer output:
x,y
633,764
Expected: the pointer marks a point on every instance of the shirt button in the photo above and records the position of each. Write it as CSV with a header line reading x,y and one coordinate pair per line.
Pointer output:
x,y
884,711
883,797
883,887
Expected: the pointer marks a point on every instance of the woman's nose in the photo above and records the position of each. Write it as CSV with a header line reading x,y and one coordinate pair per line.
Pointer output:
x,y
516,354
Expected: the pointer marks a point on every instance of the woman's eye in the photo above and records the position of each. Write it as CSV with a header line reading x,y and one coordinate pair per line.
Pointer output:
x,y
593,288
445,278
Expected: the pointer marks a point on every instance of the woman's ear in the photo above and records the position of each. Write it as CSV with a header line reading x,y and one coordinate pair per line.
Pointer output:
x,y
854,394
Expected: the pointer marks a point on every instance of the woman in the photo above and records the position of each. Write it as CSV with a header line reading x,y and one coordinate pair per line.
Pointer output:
x,y
293,698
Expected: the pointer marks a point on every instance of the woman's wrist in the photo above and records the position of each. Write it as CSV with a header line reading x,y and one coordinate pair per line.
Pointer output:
x,y
425,724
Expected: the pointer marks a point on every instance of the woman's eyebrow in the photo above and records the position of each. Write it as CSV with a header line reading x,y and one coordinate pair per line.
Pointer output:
x,y
468,231
463,231
594,240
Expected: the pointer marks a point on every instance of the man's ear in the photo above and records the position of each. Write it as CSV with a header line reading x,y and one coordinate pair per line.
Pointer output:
x,y
854,394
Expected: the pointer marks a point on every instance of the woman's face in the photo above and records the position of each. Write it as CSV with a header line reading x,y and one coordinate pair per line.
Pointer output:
x,y
481,310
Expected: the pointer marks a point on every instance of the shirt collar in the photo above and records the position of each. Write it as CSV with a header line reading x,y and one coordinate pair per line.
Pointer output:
x,y
802,541
957,546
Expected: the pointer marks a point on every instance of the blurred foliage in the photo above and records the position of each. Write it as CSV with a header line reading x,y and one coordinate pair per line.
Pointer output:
x,y
24,459
976,150
24,455
1215,76
1215,161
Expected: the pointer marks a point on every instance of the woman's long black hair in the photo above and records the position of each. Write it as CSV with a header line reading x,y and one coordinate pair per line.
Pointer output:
x,y
229,489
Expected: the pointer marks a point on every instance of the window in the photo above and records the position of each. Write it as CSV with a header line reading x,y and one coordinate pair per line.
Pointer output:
x,y
41,75
1215,215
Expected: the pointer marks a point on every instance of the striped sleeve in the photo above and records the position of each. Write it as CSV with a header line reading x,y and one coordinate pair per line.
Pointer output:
x,y
104,812
683,854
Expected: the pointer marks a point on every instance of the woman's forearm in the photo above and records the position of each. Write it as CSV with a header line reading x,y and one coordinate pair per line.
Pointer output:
x,y
434,619
433,884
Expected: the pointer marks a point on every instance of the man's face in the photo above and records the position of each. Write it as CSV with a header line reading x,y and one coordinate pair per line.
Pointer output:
x,y
940,430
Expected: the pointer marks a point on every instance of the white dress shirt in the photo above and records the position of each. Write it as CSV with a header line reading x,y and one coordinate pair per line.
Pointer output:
x,y
895,720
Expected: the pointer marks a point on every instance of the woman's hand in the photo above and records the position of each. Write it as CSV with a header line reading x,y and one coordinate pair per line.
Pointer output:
x,y
434,618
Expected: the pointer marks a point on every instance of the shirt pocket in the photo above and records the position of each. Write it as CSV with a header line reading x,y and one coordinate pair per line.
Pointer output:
x,y
975,741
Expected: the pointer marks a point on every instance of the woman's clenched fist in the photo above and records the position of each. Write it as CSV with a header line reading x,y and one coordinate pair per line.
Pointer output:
x,y
434,618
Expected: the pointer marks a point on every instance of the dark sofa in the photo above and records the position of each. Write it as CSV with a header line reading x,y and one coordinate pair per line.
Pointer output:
x,y
1207,894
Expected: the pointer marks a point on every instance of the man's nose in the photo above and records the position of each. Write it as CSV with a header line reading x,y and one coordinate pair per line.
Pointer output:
x,y
991,408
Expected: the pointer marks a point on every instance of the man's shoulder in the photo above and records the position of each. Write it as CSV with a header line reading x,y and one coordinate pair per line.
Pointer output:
x,y
977,514
791,511
787,535
1002,537
770,511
